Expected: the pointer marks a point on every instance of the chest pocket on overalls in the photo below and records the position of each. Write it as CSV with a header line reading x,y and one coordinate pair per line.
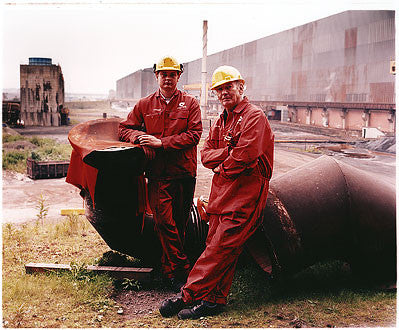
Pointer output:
x,y
154,123
234,134
178,120
216,137
232,142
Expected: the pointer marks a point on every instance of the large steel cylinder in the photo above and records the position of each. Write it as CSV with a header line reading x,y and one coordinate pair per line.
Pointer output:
x,y
115,218
329,210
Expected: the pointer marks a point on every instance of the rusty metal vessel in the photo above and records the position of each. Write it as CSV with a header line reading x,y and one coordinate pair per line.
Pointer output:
x,y
323,210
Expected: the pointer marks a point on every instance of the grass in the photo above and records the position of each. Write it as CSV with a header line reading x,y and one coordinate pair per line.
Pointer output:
x,y
321,296
324,295
46,149
58,299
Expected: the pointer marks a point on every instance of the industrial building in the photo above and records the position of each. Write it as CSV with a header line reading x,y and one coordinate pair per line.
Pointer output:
x,y
42,92
336,72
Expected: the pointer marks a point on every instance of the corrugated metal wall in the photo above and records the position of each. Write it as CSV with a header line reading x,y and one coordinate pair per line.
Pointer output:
x,y
341,58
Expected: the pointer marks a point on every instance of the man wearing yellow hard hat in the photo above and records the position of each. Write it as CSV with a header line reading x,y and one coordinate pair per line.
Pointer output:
x,y
239,150
167,125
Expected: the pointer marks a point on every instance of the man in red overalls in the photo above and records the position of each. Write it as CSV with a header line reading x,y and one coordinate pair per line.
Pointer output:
x,y
167,124
239,150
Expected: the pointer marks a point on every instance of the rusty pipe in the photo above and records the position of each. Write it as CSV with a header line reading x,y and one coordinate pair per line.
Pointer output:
x,y
124,230
328,210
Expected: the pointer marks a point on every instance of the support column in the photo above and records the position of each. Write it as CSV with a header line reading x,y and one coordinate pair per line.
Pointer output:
x,y
366,118
324,115
294,114
204,90
308,115
392,119
344,112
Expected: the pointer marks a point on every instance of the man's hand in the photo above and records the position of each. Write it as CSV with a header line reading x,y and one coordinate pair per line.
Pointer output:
x,y
216,170
149,141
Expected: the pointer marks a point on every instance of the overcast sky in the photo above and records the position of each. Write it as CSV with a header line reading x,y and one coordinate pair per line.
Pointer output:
x,y
99,42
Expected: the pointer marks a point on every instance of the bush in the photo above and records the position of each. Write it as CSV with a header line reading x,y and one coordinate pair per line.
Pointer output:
x,y
15,160
42,142
12,138
53,152
48,150
14,157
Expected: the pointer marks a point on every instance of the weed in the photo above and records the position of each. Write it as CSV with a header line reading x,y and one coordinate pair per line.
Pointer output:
x,y
8,230
19,315
42,209
128,284
79,271
73,222
117,259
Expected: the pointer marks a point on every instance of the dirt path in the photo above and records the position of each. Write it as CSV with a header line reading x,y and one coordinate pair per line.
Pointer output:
x,y
21,195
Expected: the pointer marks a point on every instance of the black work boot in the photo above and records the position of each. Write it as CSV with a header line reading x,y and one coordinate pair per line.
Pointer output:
x,y
178,281
176,284
172,306
205,308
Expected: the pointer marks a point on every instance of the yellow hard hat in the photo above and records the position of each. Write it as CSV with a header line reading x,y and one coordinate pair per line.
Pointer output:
x,y
224,74
168,63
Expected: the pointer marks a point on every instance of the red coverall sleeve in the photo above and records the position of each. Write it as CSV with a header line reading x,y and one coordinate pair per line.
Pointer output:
x,y
129,128
251,145
191,136
211,156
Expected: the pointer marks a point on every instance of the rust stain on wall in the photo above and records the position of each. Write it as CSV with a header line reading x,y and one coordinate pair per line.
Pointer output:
x,y
350,38
382,92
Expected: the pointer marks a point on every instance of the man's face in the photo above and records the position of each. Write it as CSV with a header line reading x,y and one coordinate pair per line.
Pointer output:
x,y
230,94
167,80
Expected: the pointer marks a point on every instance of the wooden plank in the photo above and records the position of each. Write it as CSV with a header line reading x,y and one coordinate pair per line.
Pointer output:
x,y
132,273
72,211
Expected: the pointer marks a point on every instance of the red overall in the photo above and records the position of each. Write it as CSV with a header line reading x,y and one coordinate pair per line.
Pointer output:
x,y
241,155
171,174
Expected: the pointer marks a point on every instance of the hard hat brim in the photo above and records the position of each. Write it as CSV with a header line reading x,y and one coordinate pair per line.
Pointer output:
x,y
219,83
168,69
